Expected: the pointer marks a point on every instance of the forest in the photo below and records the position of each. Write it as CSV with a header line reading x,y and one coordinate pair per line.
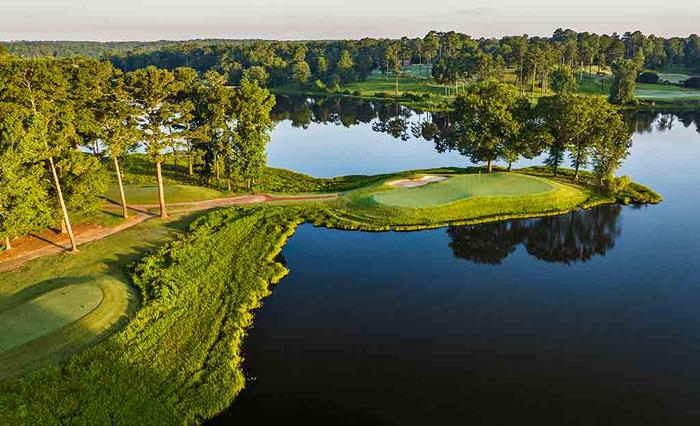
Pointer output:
x,y
450,57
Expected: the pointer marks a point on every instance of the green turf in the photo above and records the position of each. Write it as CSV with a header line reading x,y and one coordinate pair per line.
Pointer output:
x,y
47,313
674,78
665,92
378,83
148,194
101,264
462,187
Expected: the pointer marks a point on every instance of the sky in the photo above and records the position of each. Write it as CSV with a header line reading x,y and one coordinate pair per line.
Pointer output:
x,y
112,20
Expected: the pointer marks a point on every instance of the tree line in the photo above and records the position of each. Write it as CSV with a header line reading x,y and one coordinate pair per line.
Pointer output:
x,y
452,56
493,121
57,115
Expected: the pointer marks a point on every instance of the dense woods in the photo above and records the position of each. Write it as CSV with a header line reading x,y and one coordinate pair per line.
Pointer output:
x,y
454,56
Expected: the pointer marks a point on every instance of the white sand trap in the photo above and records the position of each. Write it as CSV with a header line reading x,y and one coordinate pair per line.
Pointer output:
x,y
412,183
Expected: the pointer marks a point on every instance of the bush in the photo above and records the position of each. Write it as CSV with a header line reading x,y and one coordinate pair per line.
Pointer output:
x,y
416,97
649,77
692,82
617,185
320,86
357,93
383,95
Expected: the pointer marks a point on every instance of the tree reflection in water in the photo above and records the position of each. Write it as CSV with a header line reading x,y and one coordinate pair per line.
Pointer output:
x,y
567,239
404,123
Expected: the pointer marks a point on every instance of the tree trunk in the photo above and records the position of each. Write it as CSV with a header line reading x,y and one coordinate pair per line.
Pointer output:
x,y
64,210
8,247
510,165
216,167
522,83
189,165
125,213
397,84
534,78
161,196
489,165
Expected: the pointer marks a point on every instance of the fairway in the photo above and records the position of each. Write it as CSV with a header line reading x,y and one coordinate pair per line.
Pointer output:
x,y
673,77
461,187
47,313
148,194
678,93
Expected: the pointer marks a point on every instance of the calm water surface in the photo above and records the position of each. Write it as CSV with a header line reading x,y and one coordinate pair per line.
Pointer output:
x,y
586,318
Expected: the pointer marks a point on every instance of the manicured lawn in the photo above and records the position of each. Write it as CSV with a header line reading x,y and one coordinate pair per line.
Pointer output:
x,y
378,83
148,194
101,265
666,92
652,92
462,187
674,78
47,313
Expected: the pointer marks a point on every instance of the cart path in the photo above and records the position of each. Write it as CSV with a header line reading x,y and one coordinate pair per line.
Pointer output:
x,y
139,214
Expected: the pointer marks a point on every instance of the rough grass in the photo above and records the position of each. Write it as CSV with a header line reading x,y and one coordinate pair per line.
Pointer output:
x,y
286,181
461,187
148,194
178,360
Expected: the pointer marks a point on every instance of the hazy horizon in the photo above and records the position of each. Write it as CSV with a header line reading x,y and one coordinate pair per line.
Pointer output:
x,y
134,20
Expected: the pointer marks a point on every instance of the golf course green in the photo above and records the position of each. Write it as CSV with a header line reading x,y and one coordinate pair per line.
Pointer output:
x,y
47,313
461,187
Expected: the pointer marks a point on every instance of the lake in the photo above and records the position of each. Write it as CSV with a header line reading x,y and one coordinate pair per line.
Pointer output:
x,y
590,317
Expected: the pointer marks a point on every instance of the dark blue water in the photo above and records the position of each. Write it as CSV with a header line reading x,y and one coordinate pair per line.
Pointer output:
x,y
586,318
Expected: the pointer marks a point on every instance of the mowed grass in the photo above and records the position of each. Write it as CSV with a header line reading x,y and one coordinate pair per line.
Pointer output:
x,y
462,187
148,194
378,83
47,313
674,78
359,208
666,92
100,264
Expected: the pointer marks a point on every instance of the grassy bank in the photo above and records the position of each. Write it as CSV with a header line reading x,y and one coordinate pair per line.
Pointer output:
x,y
178,359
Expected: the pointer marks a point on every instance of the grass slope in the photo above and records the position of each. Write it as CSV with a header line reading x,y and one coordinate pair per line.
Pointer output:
x,y
461,187
178,360
101,264
148,194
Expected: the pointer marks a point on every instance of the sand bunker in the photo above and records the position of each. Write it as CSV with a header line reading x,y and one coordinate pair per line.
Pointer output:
x,y
412,183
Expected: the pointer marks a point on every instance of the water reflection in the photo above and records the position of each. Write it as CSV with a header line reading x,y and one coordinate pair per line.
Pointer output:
x,y
654,121
574,237
403,123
